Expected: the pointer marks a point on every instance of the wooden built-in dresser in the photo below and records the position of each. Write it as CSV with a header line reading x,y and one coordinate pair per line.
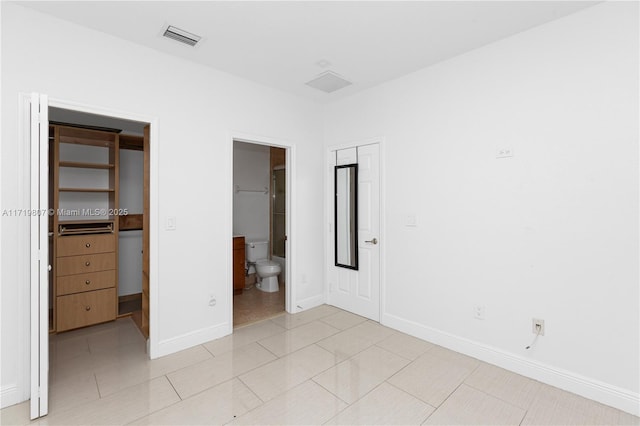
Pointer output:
x,y
84,226
86,290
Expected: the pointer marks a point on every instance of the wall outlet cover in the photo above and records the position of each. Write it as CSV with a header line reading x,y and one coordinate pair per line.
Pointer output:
x,y
479,312
504,153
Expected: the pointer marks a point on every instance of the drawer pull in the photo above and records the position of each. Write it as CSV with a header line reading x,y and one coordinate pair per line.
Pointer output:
x,y
87,263
88,308
87,282
87,245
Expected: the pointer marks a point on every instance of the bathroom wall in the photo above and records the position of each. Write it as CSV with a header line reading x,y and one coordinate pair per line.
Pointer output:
x,y
550,233
251,209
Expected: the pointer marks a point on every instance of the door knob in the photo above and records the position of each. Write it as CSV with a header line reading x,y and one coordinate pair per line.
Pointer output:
x,y
373,241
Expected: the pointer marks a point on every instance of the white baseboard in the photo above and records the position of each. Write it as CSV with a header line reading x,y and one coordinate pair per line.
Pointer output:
x,y
308,303
10,395
191,339
604,393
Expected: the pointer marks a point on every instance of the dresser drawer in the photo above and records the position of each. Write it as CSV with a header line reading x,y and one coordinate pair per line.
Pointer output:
x,y
82,309
81,264
85,244
85,282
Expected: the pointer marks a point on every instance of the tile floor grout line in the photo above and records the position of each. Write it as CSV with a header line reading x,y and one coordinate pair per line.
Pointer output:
x,y
410,394
267,349
348,359
286,390
173,387
250,390
456,388
302,347
331,392
402,369
211,353
493,396
158,410
351,356
95,378
526,413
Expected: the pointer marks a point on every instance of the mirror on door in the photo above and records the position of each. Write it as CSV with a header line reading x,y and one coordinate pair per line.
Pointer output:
x,y
346,216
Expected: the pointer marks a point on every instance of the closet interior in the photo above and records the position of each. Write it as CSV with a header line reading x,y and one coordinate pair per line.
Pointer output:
x,y
97,197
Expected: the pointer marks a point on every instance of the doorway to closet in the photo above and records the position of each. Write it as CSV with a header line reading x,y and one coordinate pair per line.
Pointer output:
x,y
98,194
98,184
260,220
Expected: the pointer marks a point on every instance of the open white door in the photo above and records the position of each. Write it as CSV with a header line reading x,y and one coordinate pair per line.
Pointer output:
x,y
358,290
39,232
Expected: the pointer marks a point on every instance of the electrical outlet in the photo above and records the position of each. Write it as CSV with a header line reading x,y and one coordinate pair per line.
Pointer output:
x,y
212,300
537,326
504,153
479,312
410,220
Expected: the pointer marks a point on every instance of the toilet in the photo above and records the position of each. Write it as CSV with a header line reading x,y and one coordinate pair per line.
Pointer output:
x,y
258,256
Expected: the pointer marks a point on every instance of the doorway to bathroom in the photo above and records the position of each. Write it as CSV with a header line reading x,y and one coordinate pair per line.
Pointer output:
x,y
260,215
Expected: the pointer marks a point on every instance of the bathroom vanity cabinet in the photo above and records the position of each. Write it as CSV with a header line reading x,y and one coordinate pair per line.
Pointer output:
x,y
238,265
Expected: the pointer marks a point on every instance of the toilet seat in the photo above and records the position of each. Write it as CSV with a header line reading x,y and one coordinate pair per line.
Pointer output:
x,y
264,267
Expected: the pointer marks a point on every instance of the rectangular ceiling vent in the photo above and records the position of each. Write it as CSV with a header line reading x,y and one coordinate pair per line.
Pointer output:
x,y
328,82
181,35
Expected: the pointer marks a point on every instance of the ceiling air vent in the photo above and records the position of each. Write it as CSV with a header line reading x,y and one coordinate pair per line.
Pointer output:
x,y
328,82
182,36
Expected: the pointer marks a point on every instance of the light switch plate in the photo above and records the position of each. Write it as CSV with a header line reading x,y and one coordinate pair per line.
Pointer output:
x,y
171,223
410,220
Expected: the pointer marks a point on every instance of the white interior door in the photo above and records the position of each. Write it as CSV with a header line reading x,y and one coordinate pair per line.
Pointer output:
x,y
358,291
39,246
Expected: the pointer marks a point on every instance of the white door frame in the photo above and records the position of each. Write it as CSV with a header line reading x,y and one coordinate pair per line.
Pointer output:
x,y
153,349
290,228
39,254
329,217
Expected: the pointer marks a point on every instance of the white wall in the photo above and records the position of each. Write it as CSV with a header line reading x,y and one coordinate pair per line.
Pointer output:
x,y
130,242
251,171
550,233
197,109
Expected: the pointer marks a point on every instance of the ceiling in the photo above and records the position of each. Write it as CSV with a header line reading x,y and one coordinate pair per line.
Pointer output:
x,y
282,44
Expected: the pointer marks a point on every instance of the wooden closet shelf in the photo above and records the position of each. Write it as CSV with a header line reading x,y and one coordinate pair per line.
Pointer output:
x,y
81,165
86,190
86,137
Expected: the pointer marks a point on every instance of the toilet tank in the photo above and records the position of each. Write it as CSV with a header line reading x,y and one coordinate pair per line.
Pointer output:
x,y
257,250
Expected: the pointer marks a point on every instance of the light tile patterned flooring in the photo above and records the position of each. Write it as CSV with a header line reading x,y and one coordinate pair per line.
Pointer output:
x,y
321,366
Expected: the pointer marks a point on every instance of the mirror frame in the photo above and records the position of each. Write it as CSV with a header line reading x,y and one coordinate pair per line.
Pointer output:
x,y
354,168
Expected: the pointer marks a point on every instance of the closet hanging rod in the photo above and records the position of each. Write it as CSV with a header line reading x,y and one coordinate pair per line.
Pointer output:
x,y
262,191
